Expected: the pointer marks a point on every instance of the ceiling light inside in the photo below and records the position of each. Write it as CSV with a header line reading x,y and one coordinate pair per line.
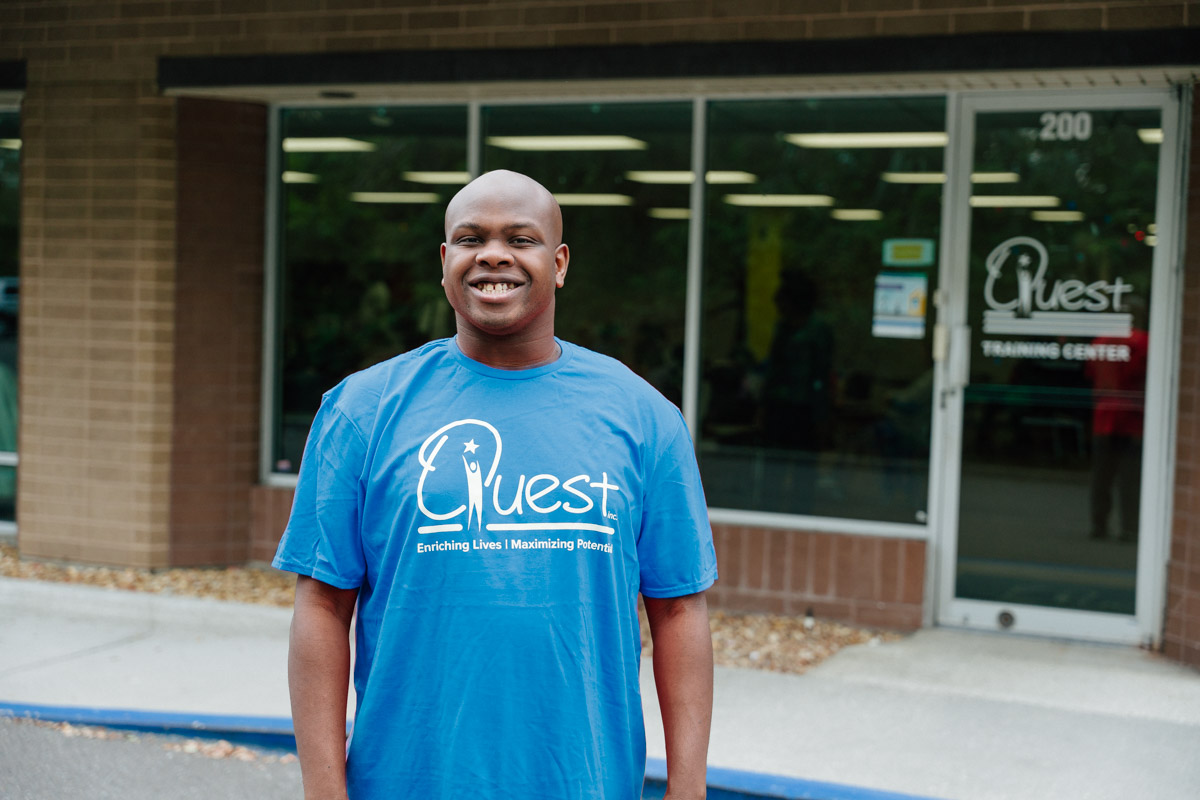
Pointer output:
x,y
593,199
1014,201
300,177
995,177
913,177
857,214
10,144
670,213
1150,135
395,197
779,200
1057,216
327,144
872,139
439,178
684,176
566,143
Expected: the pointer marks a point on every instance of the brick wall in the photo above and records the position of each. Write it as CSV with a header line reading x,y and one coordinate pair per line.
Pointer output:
x,y
97,320
866,580
1182,637
218,328
270,507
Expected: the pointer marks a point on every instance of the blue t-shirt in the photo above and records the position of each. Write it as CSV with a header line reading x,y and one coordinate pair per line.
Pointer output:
x,y
499,525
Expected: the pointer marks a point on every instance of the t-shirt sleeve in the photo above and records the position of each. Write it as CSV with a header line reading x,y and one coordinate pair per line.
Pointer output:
x,y
675,548
322,539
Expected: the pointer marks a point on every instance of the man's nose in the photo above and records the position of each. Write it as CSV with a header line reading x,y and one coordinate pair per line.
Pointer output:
x,y
493,252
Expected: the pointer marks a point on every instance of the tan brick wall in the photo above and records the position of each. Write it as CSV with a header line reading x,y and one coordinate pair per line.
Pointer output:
x,y
1182,638
865,580
97,321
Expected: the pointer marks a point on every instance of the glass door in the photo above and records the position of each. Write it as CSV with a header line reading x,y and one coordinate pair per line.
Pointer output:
x,y
1055,348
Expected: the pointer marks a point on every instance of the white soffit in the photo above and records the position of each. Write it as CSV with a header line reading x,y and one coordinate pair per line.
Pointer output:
x,y
353,94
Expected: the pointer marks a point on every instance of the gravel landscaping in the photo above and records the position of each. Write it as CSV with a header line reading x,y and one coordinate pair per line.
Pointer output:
x,y
757,641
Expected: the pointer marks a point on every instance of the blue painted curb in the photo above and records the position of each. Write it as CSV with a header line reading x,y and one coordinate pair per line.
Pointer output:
x,y
734,784
271,732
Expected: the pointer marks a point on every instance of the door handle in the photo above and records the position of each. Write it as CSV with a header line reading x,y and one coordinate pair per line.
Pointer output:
x,y
952,346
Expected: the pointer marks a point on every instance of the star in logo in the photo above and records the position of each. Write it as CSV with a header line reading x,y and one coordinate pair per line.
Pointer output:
x,y
470,447
1024,260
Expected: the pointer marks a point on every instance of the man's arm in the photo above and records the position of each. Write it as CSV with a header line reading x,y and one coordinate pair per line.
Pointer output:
x,y
318,678
683,674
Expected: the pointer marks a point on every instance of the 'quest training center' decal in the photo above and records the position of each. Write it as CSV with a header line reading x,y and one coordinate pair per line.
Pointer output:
x,y
456,495
1064,308
1031,306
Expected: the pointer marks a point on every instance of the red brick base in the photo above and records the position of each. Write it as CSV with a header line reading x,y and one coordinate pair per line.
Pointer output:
x,y
865,580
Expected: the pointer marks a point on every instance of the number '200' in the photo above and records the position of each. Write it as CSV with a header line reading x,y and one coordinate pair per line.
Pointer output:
x,y
1065,126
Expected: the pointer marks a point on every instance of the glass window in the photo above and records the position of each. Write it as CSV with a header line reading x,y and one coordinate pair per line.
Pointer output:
x,y
621,173
822,218
362,195
10,292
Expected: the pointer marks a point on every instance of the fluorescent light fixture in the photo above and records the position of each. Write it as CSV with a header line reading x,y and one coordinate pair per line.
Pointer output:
x,y
1057,216
566,143
857,214
683,176
779,200
1150,135
670,213
10,144
880,139
328,144
395,197
1014,201
728,176
913,177
995,177
290,176
593,199
439,178
1152,240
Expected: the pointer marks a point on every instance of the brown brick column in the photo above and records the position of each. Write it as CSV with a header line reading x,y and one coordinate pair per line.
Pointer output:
x,y
218,333
97,275
1182,636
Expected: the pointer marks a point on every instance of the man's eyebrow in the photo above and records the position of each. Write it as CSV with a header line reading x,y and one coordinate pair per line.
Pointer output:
x,y
516,226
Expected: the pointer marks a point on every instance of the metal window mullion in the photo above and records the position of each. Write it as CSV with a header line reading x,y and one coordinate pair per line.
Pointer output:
x,y
474,142
269,410
695,261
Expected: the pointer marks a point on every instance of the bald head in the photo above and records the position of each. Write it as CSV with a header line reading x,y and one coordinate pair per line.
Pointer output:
x,y
519,193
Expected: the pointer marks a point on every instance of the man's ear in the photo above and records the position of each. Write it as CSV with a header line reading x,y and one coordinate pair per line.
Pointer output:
x,y
443,256
562,256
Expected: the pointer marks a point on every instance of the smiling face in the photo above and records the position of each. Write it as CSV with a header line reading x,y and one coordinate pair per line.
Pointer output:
x,y
502,261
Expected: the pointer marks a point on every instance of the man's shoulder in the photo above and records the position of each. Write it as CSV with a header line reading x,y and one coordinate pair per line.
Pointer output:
x,y
360,393
607,374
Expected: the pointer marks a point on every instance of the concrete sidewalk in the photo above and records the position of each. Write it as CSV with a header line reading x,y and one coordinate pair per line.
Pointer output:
x,y
943,713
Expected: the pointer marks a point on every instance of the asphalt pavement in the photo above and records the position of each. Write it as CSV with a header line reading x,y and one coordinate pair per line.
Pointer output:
x,y
942,713
41,763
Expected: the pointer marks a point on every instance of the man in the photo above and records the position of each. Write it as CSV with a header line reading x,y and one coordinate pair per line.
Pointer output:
x,y
494,503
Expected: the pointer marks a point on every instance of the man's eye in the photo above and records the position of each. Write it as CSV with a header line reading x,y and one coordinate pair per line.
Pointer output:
x,y
522,240
467,240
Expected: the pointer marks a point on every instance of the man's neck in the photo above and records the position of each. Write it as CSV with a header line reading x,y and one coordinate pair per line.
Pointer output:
x,y
508,352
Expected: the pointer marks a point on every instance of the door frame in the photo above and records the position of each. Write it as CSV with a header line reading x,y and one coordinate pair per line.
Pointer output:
x,y
952,341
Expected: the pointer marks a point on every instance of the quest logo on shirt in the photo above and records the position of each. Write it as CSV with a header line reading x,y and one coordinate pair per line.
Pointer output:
x,y
455,493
